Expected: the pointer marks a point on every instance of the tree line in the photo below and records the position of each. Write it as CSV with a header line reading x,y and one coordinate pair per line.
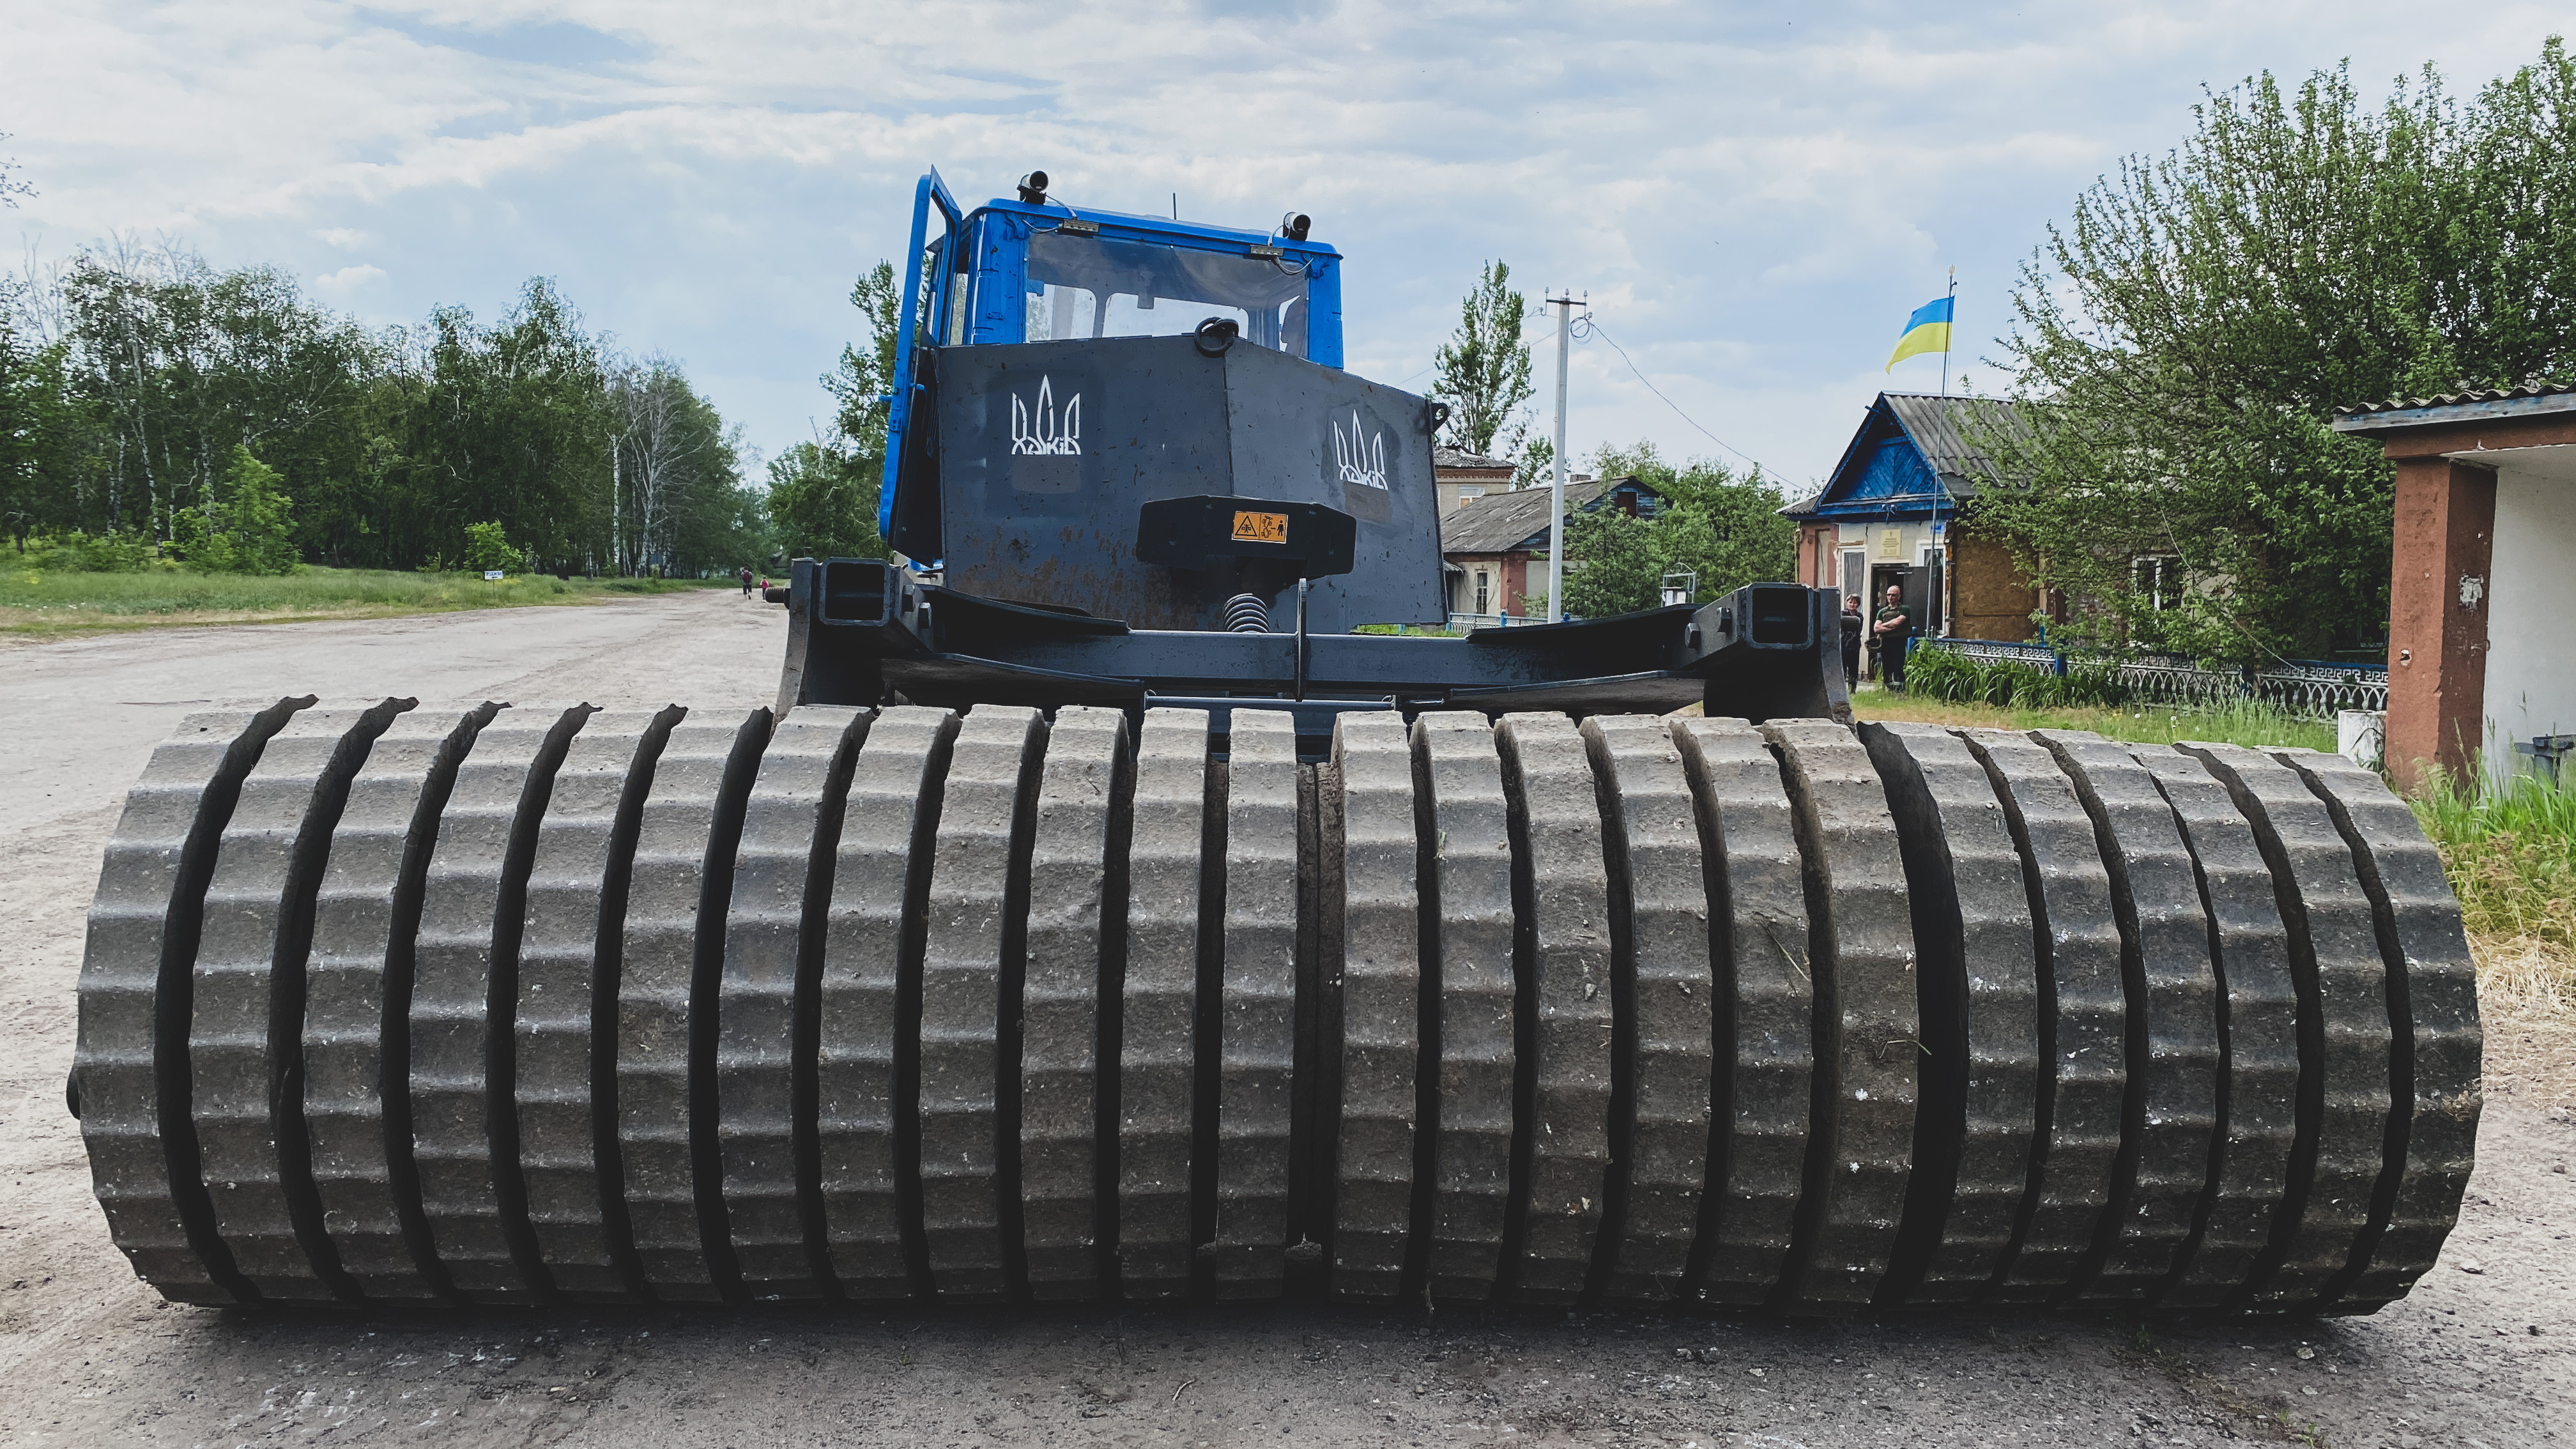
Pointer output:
x,y
1720,527
152,402
2181,342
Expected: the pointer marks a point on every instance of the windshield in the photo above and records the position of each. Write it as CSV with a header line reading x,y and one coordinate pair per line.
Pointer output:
x,y
1086,286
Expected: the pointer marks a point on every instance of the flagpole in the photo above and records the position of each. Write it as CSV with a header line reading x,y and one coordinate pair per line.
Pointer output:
x,y
1953,332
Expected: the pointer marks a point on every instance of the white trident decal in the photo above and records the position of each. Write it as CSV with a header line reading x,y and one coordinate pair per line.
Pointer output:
x,y
1361,458
1049,437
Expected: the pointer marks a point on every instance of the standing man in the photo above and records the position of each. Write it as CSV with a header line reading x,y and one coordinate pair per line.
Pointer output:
x,y
1895,625
746,583
1854,626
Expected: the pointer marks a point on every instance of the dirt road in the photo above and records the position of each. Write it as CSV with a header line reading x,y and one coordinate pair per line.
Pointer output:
x,y
2484,1353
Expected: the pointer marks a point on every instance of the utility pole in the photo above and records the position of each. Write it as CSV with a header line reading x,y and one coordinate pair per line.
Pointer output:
x,y
1556,514
1954,331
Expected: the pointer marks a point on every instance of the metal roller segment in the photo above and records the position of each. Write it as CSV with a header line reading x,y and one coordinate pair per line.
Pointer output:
x,y
1256,1007
1868,1030
1664,989
1081,819
2172,1107
130,1067
1980,995
1158,1004
1764,1020
970,980
871,948
568,960
676,892
464,988
245,1034
2258,1034
2084,1018
1373,937
2344,1095
1468,894
773,955
2433,1005
357,1003
1562,1151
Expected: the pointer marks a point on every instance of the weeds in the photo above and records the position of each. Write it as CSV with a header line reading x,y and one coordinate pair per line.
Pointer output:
x,y
2510,851
2235,722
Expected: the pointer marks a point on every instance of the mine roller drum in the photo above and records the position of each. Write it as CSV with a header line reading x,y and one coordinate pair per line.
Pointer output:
x,y
541,1003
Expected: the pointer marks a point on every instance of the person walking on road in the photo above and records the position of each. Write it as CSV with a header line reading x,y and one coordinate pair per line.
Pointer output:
x,y
1895,625
746,583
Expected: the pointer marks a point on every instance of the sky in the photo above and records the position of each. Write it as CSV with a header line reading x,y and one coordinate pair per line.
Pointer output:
x,y
1750,198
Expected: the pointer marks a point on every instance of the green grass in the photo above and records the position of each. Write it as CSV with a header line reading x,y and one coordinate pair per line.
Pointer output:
x,y
42,601
2510,851
2242,723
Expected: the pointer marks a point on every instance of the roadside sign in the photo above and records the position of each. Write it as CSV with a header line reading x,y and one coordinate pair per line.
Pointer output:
x,y
492,575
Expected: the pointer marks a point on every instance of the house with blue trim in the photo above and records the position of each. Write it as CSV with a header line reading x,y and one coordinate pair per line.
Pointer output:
x,y
1900,509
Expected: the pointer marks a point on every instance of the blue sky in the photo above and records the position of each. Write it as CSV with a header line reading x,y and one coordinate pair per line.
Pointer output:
x,y
1754,197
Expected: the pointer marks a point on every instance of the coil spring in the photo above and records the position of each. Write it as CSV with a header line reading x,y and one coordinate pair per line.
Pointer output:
x,y
1247,614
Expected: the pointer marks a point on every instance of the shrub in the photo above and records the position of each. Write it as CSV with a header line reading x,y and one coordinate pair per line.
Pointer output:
x,y
1945,674
487,547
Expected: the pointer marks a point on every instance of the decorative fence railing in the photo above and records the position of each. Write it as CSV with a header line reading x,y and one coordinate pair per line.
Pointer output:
x,y
2313,687
1464,622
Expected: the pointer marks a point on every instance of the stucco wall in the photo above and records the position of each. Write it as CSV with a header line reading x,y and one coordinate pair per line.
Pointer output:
x,y
2530,604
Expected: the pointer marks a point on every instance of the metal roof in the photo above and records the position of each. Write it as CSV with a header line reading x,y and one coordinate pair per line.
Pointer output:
x,y
1444,457
2469,404
1500,522
1934,423
1936,427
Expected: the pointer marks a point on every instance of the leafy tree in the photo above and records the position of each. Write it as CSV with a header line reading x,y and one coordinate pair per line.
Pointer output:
x,y
488,547
246,526
823,503
1724,528
2188,331
863,378
1485,366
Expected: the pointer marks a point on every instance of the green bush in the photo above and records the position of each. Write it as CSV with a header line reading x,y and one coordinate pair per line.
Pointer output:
x,y
113,552
248,528
487,547
1944,674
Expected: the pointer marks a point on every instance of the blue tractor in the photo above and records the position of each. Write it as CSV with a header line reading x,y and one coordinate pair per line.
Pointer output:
x,y
1098,916
1127,469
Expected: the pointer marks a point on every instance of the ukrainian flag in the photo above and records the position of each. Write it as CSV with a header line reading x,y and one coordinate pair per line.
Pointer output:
x,y
1928,330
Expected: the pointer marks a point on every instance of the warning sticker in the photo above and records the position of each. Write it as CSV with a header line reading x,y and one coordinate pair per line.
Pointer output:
x,y
1261,528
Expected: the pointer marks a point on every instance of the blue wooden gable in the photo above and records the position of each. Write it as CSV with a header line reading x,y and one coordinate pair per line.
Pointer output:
x,y
1882,475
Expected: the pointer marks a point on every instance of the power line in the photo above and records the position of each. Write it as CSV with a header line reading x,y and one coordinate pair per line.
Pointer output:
x,y
1589,321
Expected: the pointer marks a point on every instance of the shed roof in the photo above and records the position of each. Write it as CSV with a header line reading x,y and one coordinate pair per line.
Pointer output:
x,y
1447,457
2469,404
1505,522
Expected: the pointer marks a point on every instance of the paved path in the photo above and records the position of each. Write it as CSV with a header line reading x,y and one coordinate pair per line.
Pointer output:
x,y
88,1356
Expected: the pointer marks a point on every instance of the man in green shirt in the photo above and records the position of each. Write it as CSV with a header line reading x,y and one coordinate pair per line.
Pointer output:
x,y
1895,625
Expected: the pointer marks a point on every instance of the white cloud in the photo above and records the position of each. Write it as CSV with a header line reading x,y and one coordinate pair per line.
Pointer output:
x,y
1754,196
344,284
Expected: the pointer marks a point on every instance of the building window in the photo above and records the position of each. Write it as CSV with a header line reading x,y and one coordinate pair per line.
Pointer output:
x,y
1855,572
1484,591
2157,579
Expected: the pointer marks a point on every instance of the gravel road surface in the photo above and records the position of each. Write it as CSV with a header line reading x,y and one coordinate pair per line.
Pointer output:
x,y
2484,1353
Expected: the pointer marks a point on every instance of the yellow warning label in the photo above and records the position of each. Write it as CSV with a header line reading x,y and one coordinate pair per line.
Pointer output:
x,y
1261,528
